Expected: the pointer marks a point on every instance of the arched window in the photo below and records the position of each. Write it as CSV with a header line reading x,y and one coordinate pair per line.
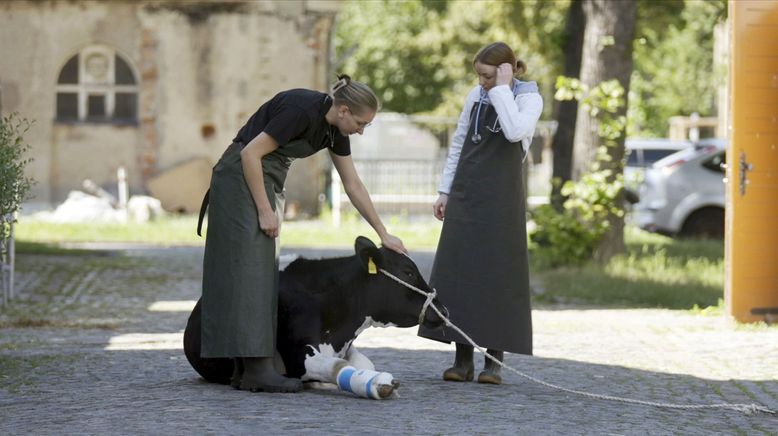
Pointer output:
x,y
97,85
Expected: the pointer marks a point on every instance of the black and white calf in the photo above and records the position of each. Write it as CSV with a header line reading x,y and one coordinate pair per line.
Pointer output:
x,y
323,305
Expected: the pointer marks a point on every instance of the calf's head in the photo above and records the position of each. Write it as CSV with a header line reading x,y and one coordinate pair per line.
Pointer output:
x,y
388,301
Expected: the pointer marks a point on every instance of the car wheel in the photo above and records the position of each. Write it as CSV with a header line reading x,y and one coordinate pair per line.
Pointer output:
x,y
704,223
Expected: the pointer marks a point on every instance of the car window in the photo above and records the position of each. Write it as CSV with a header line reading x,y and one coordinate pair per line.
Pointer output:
x,y
632,158
652,155
715,162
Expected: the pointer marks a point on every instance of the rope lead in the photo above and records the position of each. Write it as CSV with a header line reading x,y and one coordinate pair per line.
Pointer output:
x,y
748,409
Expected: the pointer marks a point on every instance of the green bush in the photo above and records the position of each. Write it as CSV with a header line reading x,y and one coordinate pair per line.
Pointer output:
x,y
570,237
14,186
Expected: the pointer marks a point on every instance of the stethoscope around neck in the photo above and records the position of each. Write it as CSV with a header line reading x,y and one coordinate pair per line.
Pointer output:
x,y
476,137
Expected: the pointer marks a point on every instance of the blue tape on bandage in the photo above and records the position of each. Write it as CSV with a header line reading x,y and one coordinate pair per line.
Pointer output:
x,y
369,390
344,379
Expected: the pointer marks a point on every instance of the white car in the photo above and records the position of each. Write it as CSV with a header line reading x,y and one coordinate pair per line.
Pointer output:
x,y
683,194
641,153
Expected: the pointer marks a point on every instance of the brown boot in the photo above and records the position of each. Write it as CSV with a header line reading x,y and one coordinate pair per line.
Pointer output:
x,y
259,375
463,365
491,372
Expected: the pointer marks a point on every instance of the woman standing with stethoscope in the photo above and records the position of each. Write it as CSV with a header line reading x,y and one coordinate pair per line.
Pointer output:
x,y
481,266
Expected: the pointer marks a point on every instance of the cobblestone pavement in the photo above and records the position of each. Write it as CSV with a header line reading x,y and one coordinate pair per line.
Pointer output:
x,y
98,351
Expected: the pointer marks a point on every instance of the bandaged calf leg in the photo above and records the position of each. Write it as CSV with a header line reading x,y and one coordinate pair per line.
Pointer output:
x,y
366,383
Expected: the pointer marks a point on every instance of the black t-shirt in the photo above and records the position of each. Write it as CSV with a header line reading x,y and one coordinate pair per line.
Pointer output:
x,y
296,114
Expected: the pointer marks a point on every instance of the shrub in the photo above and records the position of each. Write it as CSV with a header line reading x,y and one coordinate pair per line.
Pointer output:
x,y
570,237
573,235
14,186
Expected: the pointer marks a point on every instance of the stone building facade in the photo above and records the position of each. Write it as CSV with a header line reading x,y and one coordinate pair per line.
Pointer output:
x,y
150,85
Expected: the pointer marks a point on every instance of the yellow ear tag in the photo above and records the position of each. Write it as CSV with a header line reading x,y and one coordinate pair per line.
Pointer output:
x,y
371,268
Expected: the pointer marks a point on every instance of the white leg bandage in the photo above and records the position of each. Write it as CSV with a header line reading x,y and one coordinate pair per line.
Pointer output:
x,y
362,382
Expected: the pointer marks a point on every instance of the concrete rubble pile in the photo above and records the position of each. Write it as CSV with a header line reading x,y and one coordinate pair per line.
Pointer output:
x,y
97,205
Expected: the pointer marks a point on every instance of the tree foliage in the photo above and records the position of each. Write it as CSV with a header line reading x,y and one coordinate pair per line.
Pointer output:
x,y
674,70
417,54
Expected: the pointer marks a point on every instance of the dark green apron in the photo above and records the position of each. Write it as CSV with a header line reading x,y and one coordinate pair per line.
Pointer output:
x,y
481,264
240,267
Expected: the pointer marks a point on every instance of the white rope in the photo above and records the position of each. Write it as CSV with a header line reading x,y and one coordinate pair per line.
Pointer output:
x,y
748,409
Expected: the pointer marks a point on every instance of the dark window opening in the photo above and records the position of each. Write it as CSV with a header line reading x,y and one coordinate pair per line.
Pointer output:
x,y
67,106
124,74
126,106
95,107
69,73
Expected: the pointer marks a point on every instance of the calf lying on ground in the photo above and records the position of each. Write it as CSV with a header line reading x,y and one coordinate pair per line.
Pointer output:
x,y
323,305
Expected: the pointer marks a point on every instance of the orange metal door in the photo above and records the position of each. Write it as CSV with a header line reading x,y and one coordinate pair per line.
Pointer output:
x,y
751,290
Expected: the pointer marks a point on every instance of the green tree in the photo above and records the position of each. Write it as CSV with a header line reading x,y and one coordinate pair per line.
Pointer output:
x,y
674,68
566,112
607,65
417,55
384,44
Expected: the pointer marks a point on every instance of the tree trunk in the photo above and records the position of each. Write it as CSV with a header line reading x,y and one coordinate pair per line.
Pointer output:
x,y
607,54
562,145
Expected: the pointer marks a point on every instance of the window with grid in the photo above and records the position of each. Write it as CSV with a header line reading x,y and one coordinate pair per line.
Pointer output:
x,y
97,85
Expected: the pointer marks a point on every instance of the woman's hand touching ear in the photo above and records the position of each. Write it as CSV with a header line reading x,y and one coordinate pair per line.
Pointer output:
x,y
504,74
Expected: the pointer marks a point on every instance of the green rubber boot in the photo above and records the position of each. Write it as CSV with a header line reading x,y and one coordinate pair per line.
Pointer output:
x,y
463,365
491,372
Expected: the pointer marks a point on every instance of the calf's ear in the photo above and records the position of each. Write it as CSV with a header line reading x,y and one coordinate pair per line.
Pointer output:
x,y
369,255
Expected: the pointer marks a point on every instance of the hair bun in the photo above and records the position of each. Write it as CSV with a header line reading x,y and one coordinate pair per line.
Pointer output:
x,y
521,67
343,80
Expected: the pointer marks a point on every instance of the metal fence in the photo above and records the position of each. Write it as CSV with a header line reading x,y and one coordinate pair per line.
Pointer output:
x,y
409,186
397,186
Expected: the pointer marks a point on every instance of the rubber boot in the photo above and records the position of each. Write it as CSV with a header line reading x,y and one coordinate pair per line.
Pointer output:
x,y
491,372
463,365
237,373
259,375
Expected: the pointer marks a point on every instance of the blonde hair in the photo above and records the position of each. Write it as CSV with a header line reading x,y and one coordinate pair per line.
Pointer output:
x,y
498,53
357,96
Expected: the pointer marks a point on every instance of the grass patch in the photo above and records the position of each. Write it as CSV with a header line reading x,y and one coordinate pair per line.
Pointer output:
x,y
656,272
180,230
169,230
418,235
